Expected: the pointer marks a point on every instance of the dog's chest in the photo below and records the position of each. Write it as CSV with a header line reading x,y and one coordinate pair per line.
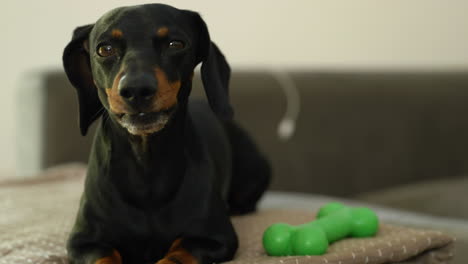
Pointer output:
x,y
166,196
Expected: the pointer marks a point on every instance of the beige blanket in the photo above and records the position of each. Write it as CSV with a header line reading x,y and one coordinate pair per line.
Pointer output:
x,y
37,214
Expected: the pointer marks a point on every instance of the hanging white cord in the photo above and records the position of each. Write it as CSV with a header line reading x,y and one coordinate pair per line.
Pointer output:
x,y
287,125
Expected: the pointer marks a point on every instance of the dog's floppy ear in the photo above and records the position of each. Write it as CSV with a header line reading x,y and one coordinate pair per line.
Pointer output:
x,y
78,69
215,72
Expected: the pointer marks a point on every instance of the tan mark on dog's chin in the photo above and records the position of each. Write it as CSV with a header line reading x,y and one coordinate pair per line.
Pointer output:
x,y
166,96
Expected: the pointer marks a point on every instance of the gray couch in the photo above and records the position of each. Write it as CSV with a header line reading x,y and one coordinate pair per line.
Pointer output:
x,y
397,142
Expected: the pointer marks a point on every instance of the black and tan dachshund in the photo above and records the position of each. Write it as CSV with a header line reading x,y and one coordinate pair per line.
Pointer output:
x,y
165,174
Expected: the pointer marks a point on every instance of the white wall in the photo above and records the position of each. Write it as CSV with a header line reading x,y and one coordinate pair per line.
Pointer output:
x,y
331,34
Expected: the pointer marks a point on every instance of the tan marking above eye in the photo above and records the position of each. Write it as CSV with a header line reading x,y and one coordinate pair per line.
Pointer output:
x,y
162,32
117,33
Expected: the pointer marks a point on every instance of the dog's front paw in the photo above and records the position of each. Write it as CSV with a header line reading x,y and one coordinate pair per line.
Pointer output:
x,y
178,255
112,259
169,261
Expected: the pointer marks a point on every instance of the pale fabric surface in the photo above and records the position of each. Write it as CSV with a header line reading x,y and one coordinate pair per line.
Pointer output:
x,y
392,243
36,216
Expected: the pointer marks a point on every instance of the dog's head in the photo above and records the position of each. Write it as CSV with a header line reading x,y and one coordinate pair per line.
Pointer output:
x,y
137,63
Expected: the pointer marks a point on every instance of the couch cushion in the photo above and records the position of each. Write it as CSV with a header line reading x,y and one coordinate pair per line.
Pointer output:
x,y
363,130
457,227
38,214
437,197
392,244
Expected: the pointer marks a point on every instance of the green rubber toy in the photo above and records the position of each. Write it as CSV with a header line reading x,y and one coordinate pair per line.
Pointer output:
x,y
334,222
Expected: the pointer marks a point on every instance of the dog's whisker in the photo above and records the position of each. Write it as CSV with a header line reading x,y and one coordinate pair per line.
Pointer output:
x,y
98,113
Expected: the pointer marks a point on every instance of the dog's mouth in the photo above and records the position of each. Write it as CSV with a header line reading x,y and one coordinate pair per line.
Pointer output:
x,y
144,123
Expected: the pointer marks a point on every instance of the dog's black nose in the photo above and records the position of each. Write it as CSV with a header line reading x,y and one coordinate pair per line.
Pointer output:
x,y
137,88
137,92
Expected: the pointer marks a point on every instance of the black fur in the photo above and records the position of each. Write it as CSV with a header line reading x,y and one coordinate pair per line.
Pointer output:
x,y
144,191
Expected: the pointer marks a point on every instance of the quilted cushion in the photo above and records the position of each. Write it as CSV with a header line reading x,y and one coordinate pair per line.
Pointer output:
x,y
37,215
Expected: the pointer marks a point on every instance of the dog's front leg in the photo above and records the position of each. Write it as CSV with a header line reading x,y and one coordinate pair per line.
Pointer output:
x,y
178,255
81,250
210,240
197,251
113,258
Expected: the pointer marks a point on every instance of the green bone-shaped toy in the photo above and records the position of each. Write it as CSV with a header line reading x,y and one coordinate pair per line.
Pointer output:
x,y
334,222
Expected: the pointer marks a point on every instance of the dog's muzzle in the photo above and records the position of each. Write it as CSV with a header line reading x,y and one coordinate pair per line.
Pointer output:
x,y
144,123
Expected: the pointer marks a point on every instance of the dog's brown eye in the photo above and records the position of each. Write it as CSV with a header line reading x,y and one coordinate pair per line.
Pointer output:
x,y
176,44
105,50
